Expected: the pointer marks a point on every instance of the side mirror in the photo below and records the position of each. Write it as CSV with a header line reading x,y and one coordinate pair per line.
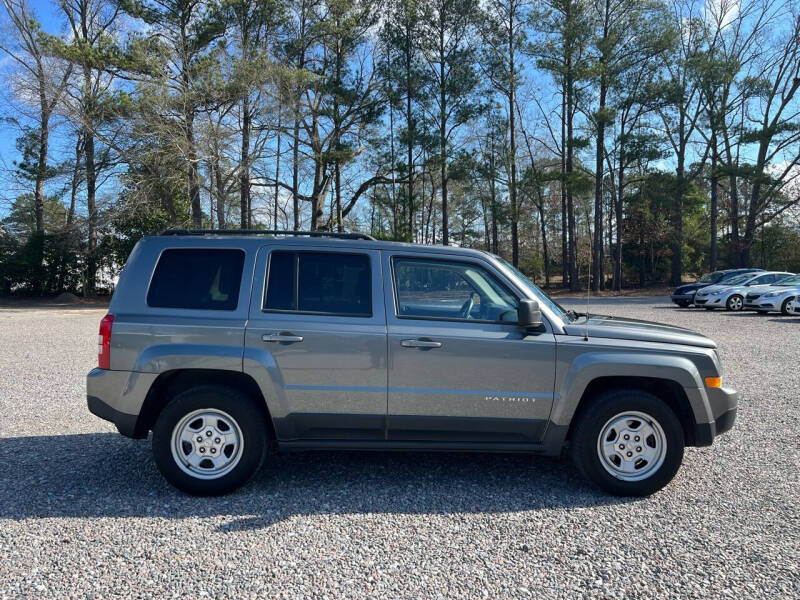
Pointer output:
x,y
528,314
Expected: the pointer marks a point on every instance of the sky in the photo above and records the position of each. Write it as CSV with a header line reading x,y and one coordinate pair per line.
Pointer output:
x,y
62,142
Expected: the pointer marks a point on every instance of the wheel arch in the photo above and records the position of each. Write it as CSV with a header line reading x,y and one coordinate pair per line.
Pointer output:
x,y
667,390
170,383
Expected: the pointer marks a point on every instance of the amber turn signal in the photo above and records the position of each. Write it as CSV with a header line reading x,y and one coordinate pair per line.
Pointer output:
x,y
714,382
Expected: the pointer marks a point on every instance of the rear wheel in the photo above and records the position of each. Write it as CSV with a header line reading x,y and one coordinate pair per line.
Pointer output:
x,y
735,303
628,442
683,304
785,306
209,440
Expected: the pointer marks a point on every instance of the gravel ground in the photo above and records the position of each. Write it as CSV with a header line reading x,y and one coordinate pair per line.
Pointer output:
x,y
84,513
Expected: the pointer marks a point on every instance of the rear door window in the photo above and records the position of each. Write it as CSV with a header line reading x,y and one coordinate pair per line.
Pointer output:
x,y
197,278
330,283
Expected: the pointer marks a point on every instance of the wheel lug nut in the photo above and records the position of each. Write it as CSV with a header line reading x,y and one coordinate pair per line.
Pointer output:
x,y
638,448
199,438
213,451
622,446
202,450
630,454
216,440
626,436
208,433
636,439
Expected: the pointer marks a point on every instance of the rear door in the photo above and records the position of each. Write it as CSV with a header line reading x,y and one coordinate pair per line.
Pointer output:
x,y
460,368
317,330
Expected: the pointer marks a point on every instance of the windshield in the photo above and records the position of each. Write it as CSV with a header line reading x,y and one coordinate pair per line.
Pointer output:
x,y
538,294
710,277
791,280
735,278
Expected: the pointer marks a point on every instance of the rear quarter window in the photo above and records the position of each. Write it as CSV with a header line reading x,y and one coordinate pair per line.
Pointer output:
x,y
197,278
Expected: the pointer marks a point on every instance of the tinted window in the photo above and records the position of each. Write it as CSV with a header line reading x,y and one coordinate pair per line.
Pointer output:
x,y
207,279
434,289
326,282
282,281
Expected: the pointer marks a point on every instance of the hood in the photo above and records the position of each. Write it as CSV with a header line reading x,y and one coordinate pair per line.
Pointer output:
x,y
712,288
691,287
760,289
633,329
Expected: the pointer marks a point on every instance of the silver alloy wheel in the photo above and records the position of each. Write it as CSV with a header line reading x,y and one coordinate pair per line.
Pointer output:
x,y
631,446
735,303
207,443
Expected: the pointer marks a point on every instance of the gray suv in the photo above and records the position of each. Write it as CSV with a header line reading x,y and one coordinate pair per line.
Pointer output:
x,y
224,344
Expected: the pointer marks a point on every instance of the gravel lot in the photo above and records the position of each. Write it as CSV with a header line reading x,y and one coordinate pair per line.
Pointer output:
x,y
84,512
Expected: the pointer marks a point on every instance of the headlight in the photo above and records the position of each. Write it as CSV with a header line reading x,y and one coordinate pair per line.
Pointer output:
x,y
774,294
717,292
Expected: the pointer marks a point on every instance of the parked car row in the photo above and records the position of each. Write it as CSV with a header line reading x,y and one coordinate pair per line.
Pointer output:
x,y
743,289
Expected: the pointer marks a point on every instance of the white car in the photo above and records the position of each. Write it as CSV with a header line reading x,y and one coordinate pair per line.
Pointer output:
x,y
730,292
775,297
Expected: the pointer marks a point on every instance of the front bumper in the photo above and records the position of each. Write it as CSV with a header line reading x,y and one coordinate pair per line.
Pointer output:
x,y
118,396
766,305
723,404
708,301
682,298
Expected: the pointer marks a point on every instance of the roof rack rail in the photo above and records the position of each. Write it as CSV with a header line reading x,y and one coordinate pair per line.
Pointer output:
x,y
332,234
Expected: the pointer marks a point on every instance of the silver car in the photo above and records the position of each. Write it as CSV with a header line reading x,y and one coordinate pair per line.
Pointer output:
x,y
774,298
224,344
731,294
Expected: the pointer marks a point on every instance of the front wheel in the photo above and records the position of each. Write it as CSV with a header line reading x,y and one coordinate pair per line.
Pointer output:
x,y
785,306
209,440
683,304
735,303
628,442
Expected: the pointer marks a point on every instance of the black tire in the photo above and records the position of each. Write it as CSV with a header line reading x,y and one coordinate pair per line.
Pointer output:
x,y
683,304
729,304
247,416
592,419
709,307
785,306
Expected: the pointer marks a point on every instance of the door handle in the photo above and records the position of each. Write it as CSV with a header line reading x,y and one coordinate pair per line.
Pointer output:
x,y
420,344
283,338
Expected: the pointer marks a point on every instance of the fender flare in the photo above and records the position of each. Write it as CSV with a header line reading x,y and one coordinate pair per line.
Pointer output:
x,y
594,365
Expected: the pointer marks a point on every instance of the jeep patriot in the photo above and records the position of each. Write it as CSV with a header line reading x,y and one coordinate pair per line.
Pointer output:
x,y
227,343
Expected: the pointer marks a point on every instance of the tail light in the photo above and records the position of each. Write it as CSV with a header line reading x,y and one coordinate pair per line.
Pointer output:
x,y
104,342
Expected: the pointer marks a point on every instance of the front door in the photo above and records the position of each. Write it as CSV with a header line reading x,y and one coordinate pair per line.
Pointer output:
x,y
460,369
317,337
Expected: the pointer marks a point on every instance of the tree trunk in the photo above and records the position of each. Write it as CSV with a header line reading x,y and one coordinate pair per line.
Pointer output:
x,y
563,186
443,131
677,244
573,242
714,201
617,280
244,176
512,103
91,213
296,173
597,247
493,191
277,175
